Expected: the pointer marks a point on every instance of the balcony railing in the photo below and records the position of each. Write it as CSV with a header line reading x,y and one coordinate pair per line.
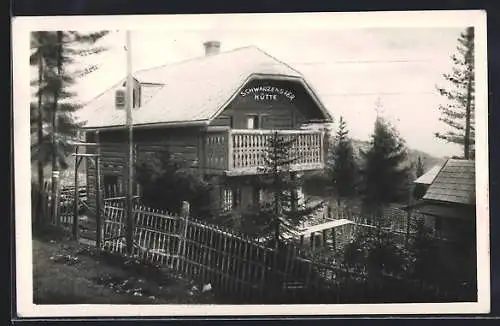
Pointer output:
x,y
243,151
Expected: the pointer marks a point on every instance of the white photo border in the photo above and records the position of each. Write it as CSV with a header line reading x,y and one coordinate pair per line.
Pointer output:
x,y
21,28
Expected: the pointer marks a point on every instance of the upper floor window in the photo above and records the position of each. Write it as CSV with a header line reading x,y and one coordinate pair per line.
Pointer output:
x,y
136,94
253,122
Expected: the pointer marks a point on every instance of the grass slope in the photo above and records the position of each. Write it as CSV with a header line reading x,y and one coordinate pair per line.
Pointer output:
x,y
65,272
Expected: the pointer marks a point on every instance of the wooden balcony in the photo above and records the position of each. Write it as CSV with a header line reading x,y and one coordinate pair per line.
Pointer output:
x,y
243,151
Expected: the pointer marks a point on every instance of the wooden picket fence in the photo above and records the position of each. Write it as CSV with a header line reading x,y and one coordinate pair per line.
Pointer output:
x,y
244,270
42,212
68,192
231,262
237,266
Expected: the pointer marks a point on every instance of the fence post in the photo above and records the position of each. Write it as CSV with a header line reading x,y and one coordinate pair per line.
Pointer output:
x,y
185,211
334,239
98,201
75,197
55,198
47,203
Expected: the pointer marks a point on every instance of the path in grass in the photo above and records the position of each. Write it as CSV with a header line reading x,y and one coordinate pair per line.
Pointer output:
x,y
65,272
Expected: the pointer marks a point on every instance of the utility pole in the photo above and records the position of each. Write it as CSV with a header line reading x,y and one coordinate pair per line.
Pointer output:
x,y
129,104
409,212
39,122
55,121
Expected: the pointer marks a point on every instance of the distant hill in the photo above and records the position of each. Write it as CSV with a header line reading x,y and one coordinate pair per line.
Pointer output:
x,y
413,154
315,182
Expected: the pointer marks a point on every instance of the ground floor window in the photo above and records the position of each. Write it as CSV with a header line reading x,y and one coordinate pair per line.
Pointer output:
x,y
226,200
111,185
236,197
256,196
438,227
230,198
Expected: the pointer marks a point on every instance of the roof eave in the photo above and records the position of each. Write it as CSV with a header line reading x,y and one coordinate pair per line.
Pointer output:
x,y
446,202
193,123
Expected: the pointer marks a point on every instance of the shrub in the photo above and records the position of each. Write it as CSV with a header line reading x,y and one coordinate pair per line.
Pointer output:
x,y
166,182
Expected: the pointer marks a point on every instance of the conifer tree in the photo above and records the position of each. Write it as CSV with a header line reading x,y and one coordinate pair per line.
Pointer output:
x,y
282,214
384,176
52,53
458,112
341,165
423,250
419,169
419,189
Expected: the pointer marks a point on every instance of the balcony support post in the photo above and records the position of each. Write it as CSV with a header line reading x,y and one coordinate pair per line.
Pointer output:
x,y
229,150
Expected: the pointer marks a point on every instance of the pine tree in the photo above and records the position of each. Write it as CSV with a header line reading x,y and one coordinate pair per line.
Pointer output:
x,y
52,53
384,176
423,251
419,189
341,165
419,169
458,113
41,53
282,215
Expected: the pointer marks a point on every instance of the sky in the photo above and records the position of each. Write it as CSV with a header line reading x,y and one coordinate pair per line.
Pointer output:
x,y
350,69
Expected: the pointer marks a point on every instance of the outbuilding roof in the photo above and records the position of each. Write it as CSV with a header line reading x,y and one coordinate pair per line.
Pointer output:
x,y
429,176
455,183
193,91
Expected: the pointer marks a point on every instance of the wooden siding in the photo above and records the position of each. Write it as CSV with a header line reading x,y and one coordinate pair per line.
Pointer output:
x,y
281,113
184,144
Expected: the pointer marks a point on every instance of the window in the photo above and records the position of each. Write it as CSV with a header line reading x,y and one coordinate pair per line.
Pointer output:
x,y
136,94
226,200
236,197
136,97
438,226
230,198
253,122
256,196
110,185
231,121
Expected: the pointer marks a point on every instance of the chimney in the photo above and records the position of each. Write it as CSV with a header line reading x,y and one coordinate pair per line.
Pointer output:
x,y
211,47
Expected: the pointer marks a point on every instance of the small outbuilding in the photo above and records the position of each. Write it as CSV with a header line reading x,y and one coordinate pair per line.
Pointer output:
x,y
450,201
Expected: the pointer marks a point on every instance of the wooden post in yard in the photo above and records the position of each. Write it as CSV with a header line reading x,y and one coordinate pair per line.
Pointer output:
x,y
98,197
75,197
55,198
334,239
129,105
408,218
181,249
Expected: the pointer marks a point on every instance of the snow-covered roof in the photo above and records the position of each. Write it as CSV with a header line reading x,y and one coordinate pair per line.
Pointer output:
x,y
193,91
